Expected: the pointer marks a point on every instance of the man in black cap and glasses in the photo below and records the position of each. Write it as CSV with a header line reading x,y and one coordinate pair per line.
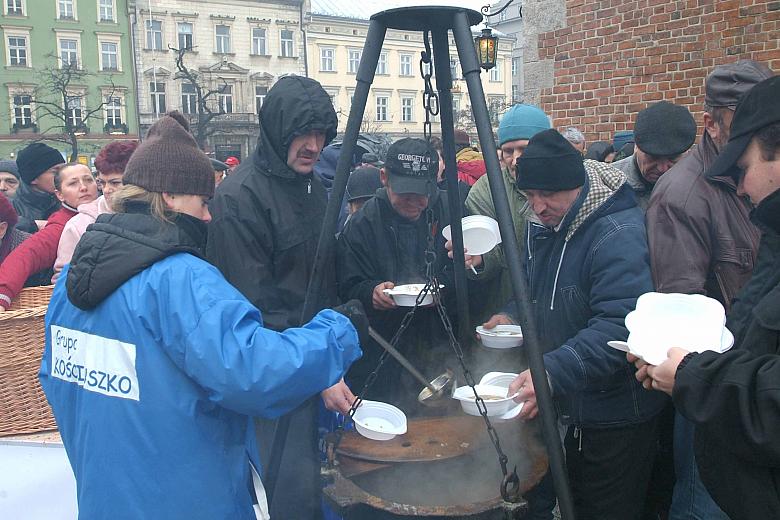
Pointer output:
x,y
383,246
733,398
702,242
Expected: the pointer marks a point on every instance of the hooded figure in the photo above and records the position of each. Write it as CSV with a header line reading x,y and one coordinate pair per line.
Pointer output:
x,y
267,217
154,363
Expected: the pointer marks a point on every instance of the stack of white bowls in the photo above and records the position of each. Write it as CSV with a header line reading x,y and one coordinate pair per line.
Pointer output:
x,y
689,321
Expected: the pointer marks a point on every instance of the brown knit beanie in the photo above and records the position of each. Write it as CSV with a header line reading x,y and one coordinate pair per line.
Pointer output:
x,y
169,160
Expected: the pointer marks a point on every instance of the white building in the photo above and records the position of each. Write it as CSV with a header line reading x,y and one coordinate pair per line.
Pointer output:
x,y
238,46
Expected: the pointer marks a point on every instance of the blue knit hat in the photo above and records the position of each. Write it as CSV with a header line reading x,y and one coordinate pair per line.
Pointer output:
x,y
522,122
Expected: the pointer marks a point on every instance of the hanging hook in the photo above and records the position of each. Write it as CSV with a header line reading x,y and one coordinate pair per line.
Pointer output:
x,y
510,487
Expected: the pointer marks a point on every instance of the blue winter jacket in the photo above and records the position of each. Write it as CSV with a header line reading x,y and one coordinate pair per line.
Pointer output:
x,y
584,277
154,386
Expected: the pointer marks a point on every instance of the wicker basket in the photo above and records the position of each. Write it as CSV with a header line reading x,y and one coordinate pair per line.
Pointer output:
x,y
32,297
24,407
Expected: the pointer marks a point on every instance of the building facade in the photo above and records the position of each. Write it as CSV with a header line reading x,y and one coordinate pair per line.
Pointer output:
x,y
336,34
67,75
510,22
236,48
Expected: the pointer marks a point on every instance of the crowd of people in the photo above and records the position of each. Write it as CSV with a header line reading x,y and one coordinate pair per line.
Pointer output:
x,y
177,335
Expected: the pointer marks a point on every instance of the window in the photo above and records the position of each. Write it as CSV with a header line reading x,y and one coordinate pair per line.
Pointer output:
x,y
515,95
113,109
14,7
326,59
382,105
184,31
226,99
495,72
223,38
66,9
260,93
406,65
74,112
407,109
515,66
22,105
17,51
354,61
189,98
158,97
154,35
286,43
454,68
258,41
109,56
381,65
69,52
106,10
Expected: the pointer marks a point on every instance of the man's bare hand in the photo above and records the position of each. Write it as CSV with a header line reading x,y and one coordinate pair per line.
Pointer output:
x,y
338,398
523,386
472,261
498,319
381,301
662,377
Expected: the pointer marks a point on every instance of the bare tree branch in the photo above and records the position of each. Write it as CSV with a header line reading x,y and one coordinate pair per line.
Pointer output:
x,y
205,111
55,96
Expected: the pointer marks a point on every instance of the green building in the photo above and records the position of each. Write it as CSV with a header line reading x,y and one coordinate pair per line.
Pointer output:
x,y
67,76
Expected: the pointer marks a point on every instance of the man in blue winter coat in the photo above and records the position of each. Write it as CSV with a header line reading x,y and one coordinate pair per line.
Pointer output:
x,y
587,262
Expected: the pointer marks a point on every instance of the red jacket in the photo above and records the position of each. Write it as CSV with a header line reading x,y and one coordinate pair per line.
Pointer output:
x,y
34,254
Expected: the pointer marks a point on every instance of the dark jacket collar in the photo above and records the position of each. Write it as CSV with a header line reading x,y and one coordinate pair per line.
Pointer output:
x,y
36,198
118,246
767,213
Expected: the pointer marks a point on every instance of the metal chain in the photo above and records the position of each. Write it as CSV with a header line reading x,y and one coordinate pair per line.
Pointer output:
x,y
430,97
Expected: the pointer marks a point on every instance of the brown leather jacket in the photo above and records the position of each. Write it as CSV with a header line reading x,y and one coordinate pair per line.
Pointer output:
x,y
700,234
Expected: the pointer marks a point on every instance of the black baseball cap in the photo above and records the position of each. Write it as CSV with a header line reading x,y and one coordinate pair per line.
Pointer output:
x,y
363,183
758,108
412,165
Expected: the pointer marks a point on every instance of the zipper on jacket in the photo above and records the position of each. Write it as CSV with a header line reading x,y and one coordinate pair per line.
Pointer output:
x,y
578,435
308,187
557,273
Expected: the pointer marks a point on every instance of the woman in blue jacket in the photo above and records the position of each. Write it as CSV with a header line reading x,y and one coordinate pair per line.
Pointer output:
x,y
154,363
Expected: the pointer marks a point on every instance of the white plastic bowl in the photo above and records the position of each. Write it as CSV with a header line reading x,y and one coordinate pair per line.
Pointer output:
x,y
501,336
480,234
406,295
379,421
498,404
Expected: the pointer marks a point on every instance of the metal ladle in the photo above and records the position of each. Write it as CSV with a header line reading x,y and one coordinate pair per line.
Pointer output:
x,y
433,392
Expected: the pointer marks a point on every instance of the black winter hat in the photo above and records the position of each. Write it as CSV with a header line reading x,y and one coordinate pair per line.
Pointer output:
x,y
363,183
550,163
412,165
664,129
35,159
169,160
757,109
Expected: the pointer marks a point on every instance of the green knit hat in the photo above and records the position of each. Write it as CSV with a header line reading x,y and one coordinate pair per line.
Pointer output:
x,y
169,160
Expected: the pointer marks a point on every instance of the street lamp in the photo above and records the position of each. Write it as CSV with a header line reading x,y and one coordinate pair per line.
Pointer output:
x,y
486,43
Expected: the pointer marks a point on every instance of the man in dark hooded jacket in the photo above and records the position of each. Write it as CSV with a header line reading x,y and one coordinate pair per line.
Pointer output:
x,y
267,217
34,200
383,245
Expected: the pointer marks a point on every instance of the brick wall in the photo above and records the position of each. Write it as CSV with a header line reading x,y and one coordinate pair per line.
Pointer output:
x,y
614,57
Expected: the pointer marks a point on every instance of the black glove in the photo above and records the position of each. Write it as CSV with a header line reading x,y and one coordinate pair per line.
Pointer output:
x,y
353,310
